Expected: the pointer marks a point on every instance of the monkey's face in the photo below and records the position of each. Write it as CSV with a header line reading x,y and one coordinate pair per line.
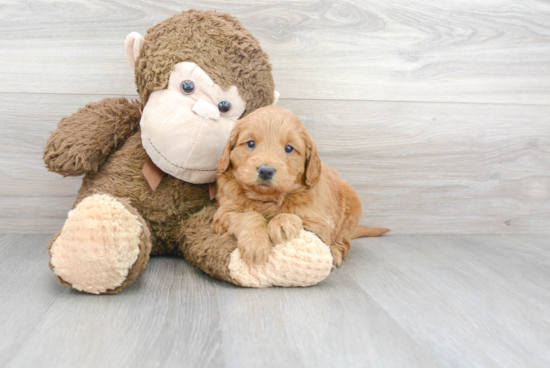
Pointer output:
x,y
185,127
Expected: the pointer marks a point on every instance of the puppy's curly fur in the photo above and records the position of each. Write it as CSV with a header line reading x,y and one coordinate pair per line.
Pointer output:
x,y
302,193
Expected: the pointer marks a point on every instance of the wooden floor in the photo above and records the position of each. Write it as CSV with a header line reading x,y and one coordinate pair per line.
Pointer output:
x,y
397,301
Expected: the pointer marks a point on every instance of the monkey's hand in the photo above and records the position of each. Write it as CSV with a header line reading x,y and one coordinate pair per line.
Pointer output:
x,y
84,140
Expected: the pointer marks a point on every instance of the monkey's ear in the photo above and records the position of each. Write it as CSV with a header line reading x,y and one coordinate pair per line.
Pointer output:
x,y
225,161
133,45
277,95
313,163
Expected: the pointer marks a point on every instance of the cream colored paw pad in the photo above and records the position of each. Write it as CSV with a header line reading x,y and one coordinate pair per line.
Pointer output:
x,y
98,245
303,261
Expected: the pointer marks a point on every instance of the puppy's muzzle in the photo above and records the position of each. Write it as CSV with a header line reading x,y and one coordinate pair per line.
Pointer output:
x,y
266,172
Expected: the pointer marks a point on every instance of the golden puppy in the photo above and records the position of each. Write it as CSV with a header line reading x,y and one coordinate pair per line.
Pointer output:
x,y
271,184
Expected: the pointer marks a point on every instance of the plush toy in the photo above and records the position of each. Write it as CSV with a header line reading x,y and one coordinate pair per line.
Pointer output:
x,y
147,164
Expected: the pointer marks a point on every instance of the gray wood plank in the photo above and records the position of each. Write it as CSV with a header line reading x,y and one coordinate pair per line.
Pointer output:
x,y
471,51
174,314
34,214
439,168
28,290
419,167
167,318
334,324
415,301
476,300
542,242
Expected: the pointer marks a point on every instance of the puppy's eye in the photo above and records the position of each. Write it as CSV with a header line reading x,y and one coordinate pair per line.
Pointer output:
x,y
251,144
289,149
187,87
224,106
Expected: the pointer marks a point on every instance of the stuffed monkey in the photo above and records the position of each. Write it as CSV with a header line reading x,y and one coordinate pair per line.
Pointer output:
x,y
147,164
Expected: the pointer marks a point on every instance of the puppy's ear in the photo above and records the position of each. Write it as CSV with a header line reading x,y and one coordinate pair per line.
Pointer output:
x,y
313,163
225,162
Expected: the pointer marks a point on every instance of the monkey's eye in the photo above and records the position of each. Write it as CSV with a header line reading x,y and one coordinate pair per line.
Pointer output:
x,y
289,149
187,87
224,106
251,144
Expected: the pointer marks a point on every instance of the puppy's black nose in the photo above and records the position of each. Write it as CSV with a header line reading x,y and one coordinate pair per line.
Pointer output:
x,y
266,172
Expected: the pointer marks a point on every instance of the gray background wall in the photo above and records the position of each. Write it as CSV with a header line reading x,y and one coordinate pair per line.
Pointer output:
x,y
438,112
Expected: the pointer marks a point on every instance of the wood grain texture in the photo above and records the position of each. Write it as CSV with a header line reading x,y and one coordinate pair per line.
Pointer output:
x,y
482,281
493,51
414,301
48,325
439,168
333,324
470,152
419,167
539,241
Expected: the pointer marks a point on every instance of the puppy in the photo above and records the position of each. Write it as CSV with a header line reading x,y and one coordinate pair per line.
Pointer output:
x,y
271,184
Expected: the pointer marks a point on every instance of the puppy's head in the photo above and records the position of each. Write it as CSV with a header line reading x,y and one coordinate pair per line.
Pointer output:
x,y
270,152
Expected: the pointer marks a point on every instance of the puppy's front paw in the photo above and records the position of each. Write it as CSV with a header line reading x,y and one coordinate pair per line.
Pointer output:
x,y
254,246
336,256
220,225
284,227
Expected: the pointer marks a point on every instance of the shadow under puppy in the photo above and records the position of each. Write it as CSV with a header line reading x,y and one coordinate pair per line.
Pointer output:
x,y
271,184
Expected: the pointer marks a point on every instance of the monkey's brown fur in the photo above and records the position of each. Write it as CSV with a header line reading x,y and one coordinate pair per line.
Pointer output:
x,y
103,141
218,43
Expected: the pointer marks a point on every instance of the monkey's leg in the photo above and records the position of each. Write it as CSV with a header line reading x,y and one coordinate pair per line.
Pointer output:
x,y
303,261
103,246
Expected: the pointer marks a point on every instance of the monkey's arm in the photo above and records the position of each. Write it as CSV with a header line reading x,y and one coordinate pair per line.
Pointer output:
x,y
82,141
303,261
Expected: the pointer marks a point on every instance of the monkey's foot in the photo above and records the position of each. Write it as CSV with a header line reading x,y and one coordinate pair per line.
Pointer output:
x,y
103,246
302,261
